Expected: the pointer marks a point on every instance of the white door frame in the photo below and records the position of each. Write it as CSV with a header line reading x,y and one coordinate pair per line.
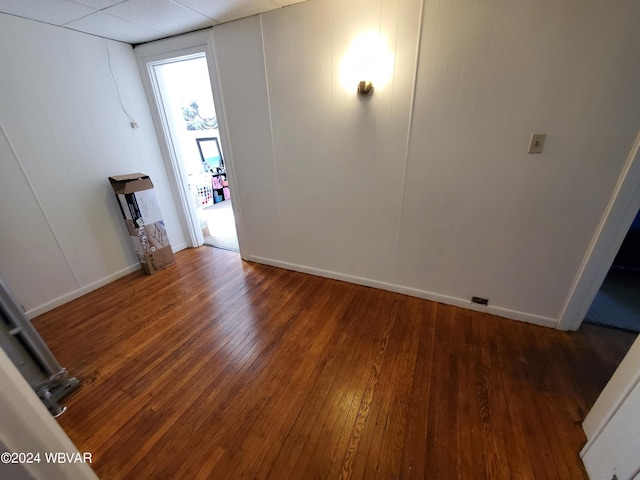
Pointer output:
x,y
601,454
614,225
182,47
27,426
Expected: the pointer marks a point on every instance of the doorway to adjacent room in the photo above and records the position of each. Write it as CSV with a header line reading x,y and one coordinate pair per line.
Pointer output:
x,y
617,303
183,94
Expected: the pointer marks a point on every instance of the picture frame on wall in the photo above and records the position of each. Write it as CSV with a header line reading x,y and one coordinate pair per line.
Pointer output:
x,y
210,153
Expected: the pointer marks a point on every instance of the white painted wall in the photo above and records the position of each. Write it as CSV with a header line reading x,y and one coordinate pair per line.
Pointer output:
x,y
495,221
245,105
425,187
63,133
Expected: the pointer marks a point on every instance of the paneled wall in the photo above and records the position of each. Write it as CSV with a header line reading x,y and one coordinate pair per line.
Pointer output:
x,y
425,187
506,225
63,133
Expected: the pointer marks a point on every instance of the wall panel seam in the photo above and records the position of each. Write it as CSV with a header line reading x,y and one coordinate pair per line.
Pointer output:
x,y
408,142
273,148
38,202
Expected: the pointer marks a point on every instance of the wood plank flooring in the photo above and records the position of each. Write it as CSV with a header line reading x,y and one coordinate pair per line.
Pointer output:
x,y
216,368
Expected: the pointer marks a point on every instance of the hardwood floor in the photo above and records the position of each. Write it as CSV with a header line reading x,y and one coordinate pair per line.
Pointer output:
x,y
217,369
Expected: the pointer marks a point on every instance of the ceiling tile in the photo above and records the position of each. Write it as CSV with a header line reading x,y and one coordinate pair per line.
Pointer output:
x,y
138,21
227,10
56,12
99,4
163,15
286,3
108,26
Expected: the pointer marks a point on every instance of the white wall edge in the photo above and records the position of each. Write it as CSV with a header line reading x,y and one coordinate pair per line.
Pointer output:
x,y
626,376
227,149
27,426
413,292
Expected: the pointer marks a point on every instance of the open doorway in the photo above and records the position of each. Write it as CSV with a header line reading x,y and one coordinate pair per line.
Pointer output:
x,y
617,303
184,98
609,236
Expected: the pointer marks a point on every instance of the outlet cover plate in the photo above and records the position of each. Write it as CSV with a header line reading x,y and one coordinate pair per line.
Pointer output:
x,y
536,143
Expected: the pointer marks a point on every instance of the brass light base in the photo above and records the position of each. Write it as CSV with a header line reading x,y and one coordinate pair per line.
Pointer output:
x,y
365,88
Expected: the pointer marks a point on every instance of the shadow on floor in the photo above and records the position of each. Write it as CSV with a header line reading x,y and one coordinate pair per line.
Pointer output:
x,y
617,304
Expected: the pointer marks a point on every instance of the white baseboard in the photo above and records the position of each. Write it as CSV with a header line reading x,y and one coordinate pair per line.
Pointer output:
x,y
39,310
435,297
179,247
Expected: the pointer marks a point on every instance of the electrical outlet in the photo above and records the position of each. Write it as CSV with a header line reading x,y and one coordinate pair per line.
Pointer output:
x,y
536,143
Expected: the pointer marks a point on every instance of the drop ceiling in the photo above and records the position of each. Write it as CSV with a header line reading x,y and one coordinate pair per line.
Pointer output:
x,y
137,21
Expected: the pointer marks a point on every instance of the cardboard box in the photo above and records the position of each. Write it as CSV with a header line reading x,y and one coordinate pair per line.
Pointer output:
x,y
143,220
